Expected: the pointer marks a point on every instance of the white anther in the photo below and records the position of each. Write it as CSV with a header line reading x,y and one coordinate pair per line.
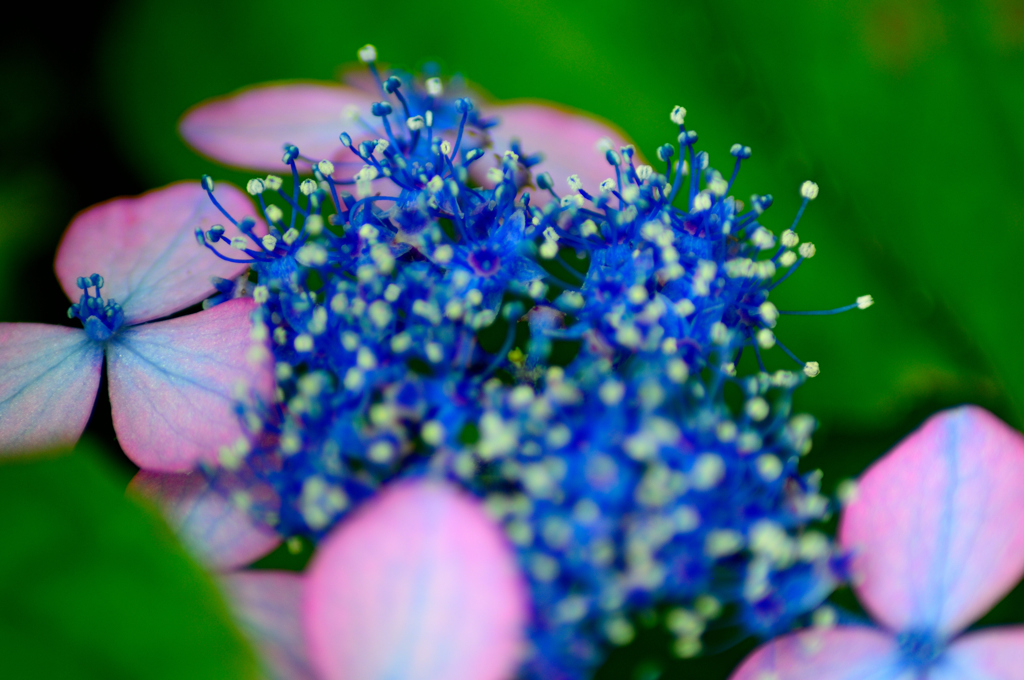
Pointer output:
x,y
865,301
720,334
611,392
644,172
807,250
708,470
717,185
367,54
548,250
269,242
769,313
274,214
435,352
787,258
574,182
789,238
289,236
314,225
757,408
434,87
637,294
702,201
762,238
260,294
769,467
255,187
809,190
239,243
474,297
678,115
303,342
428,118
684,308
414,123
678,371
765,339
432,432
443,254
811,369
273,182
325,167
366,359
446,147
354,379
307,187
607,186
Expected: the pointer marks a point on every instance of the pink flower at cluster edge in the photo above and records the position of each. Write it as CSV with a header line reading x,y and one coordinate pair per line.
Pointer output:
x,y
937,530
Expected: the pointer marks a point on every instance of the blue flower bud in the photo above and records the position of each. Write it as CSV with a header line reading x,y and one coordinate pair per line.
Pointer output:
x,y
291,152
82,282
214,234
380,109
392,84
612,157
97,280
463,105
207,183
665,152
544,181
345,139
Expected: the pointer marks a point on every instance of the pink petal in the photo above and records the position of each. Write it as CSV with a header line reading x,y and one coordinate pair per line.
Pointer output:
x,y
49,376
419,584
938,523
267,606
172,385
221,534
249,128
991,654
827,654
568,138
145,248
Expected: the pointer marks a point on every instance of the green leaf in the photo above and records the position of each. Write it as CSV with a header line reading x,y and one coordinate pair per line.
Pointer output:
x,y
94,586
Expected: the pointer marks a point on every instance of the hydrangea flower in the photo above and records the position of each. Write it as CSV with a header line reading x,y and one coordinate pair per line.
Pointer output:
x,y
419,584
622,475
937,533
396,110
172,381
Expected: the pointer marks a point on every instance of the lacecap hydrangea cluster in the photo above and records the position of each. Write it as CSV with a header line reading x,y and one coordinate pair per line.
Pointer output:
x,y
564,354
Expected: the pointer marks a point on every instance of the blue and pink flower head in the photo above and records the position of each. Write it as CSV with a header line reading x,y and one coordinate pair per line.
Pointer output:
x,y
561,354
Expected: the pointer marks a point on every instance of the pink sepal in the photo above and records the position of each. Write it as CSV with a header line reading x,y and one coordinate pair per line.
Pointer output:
x,y
267,606
222,535
49,376
827,654
938,523
145,248
248,128
419,584
174,385
992,653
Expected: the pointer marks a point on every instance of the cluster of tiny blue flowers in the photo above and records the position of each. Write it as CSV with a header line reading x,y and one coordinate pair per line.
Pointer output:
x,y
569,364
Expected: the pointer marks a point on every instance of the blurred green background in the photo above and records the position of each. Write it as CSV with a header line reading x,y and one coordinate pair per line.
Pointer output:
x,y
909,115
